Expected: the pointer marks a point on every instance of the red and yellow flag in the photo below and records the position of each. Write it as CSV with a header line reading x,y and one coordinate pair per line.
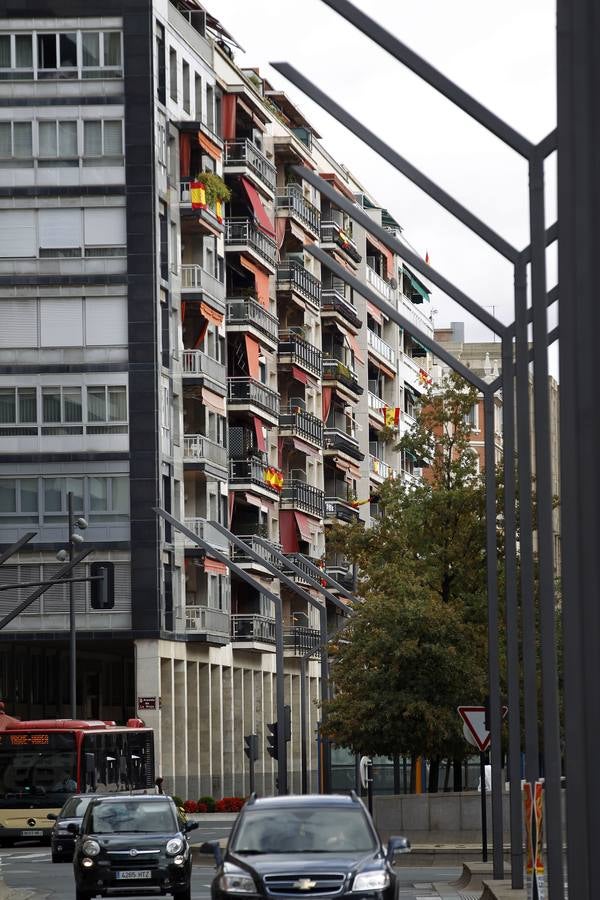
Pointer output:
x,y
274,478
425,377
198,195
219,211
391,416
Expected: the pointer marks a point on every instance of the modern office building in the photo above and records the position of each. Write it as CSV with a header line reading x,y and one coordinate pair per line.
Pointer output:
x,y
166,339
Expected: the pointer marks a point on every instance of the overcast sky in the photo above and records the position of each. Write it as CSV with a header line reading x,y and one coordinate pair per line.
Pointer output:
x,y
504,54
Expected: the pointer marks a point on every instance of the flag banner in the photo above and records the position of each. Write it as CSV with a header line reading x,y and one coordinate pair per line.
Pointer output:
x,y
274,478
425,377
219,211
198,194
391,415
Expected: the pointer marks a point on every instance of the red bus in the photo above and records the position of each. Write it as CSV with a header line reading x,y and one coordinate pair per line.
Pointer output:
x,y
43,761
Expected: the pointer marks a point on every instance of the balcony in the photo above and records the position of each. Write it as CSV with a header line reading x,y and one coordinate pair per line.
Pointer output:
x,y
300,639
412,373
415,314
334,303
296,422
246,393
334,370
294,278
208,533
198,366
203,620
252,629
332,233
343,574
340,442
381,349
337,508
376,406
242,236
196,280
247,315
209,218
302,496
244,158
251,473
290,199
294,350
383,287
200,450
298,560
379,469
243,558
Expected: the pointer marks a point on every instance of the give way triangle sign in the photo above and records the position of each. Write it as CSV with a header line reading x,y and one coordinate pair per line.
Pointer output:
x,y
474,719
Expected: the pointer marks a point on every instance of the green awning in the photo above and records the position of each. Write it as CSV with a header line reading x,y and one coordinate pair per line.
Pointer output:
x,y
416,284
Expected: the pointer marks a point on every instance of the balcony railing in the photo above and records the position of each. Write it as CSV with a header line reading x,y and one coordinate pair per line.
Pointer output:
x,y
249,312
302,424
240,555
343,574
253,628
332,233
380,468
197,448
248,391
196,362
336,370
301,639
300,279
293,200
301,352
379,346
304,496
298,560
243,232
195,278
245,153
333,301
336,508
335,439
382,286
376,404
250,471
208,533
205,620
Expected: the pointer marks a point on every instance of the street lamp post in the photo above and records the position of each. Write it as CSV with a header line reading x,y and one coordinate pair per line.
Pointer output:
x,y
64,555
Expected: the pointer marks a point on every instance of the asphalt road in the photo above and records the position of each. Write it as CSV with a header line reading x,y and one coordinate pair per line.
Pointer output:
x,y
29,866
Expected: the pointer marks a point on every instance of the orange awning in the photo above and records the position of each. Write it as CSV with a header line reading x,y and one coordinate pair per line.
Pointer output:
x,y
214,567
253,352
261,281
358,354
375,312
214,401
211,314
208,146
260,214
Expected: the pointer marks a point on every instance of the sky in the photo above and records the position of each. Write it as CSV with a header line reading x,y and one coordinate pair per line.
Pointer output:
x,y
503,54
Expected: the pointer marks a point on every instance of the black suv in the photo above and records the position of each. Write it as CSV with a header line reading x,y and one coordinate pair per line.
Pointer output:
x,y
62,839
135,845
310,845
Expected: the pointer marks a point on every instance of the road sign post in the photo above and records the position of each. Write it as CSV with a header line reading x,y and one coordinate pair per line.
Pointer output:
x,y
484,840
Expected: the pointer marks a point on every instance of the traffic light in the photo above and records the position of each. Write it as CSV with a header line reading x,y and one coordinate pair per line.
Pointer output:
x,y
272,740
251,746
103,586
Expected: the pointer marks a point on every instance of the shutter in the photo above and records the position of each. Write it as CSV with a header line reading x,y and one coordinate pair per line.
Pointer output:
x,y
19,323
105,227
105,321
60,228
61,322
17,233
122,587
29,573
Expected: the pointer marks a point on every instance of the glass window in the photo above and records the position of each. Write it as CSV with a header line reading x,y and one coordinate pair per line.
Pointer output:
x,y
113,137
24,51
47,138
5,51
27,398
51,404
8,495
53,492
96,398
98,488
8,406
186,86
112,48
67,138
75,486
5,139
92,138
72,404
324,830
22,140
117,404
46,51
90,46
173,74
68,51
29,494
120,495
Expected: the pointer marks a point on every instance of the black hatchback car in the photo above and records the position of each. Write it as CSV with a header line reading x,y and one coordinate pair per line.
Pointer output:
x,y
133,844
62,839
322,845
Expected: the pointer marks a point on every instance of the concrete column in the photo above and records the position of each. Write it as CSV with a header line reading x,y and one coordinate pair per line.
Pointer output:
x,y
193,725
249,717
181,732
239,730
228,731
205,729
216,694
147,681
167,732
314,717
295,749
268,716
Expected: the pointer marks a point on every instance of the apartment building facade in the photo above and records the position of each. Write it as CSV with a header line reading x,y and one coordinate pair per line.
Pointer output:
x,y
168,340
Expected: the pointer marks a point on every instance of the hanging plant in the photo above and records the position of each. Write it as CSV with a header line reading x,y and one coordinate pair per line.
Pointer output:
x,y
388,434
215,187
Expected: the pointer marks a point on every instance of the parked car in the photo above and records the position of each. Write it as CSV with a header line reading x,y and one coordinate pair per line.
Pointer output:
x,y
62,840
321,845
132,844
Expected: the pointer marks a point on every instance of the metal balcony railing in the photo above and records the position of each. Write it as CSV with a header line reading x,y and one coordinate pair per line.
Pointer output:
x,y
240,153
252,628
381,347
250,471
205,620
381,286
240,555
304,496
343,574
301,639
300,279
335,370
243,232
293,200
380,468
247,390
333,301
337,508
336,439
196,362
298,561
302,424
248,312
197,448
376,404
332,233
302,353
195,278
208,533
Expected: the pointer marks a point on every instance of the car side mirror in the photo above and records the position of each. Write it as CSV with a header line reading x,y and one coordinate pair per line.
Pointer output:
x,y
72,828
191,826
396,846
213,847
52,816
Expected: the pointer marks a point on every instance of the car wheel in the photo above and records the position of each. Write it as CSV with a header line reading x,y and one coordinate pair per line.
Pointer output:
x,y
184,894
6,842
83,895
58,858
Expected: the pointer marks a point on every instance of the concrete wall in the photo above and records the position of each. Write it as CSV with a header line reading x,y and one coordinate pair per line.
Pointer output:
x,y
435,817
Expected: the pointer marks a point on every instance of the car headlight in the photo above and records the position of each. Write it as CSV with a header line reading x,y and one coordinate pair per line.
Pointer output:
x,y
91,848
237,884
174,846
371,881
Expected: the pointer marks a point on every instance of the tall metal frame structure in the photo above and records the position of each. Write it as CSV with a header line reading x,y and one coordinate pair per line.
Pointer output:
x,y
514,383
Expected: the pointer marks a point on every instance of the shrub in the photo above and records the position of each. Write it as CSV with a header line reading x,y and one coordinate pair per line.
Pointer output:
x,y
209,802
201,807
190,806
229,804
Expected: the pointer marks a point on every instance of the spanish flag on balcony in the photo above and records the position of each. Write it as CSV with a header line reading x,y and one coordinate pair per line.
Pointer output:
x,y
425,377
274,478
219,211
198,195
391,416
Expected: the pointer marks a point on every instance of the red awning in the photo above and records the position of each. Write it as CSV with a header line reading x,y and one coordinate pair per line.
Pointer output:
x,y
253,501
374,312
214,401
253,352
260,435
214,567
327,397
260,213
228,105
261,281
208,146
304,448
358,354
211,314
287,531
306,526
299,375
385,252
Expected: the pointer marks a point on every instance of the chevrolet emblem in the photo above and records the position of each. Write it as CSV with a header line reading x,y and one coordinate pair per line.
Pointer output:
x,y
305,884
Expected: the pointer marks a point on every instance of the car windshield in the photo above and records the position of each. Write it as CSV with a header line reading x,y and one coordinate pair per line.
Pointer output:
x,y
75,808
304,830
113,817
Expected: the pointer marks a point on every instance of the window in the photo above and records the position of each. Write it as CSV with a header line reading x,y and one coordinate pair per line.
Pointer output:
x,y
19,499
186,85
18,406
61,405
57,52
16,54
17,234
15,140
172,74
59,232
68,54
107,403
57,139
210,107
472,418
103,137
198,97
105,231
108,496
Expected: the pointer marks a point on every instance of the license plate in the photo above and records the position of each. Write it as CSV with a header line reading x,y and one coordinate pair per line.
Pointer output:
x,y
31,833
141,873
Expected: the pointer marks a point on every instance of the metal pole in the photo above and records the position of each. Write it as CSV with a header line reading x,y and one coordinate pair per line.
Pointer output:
x,y
303,728
72,623
552,759
512,614
493,643
14,548
484,839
